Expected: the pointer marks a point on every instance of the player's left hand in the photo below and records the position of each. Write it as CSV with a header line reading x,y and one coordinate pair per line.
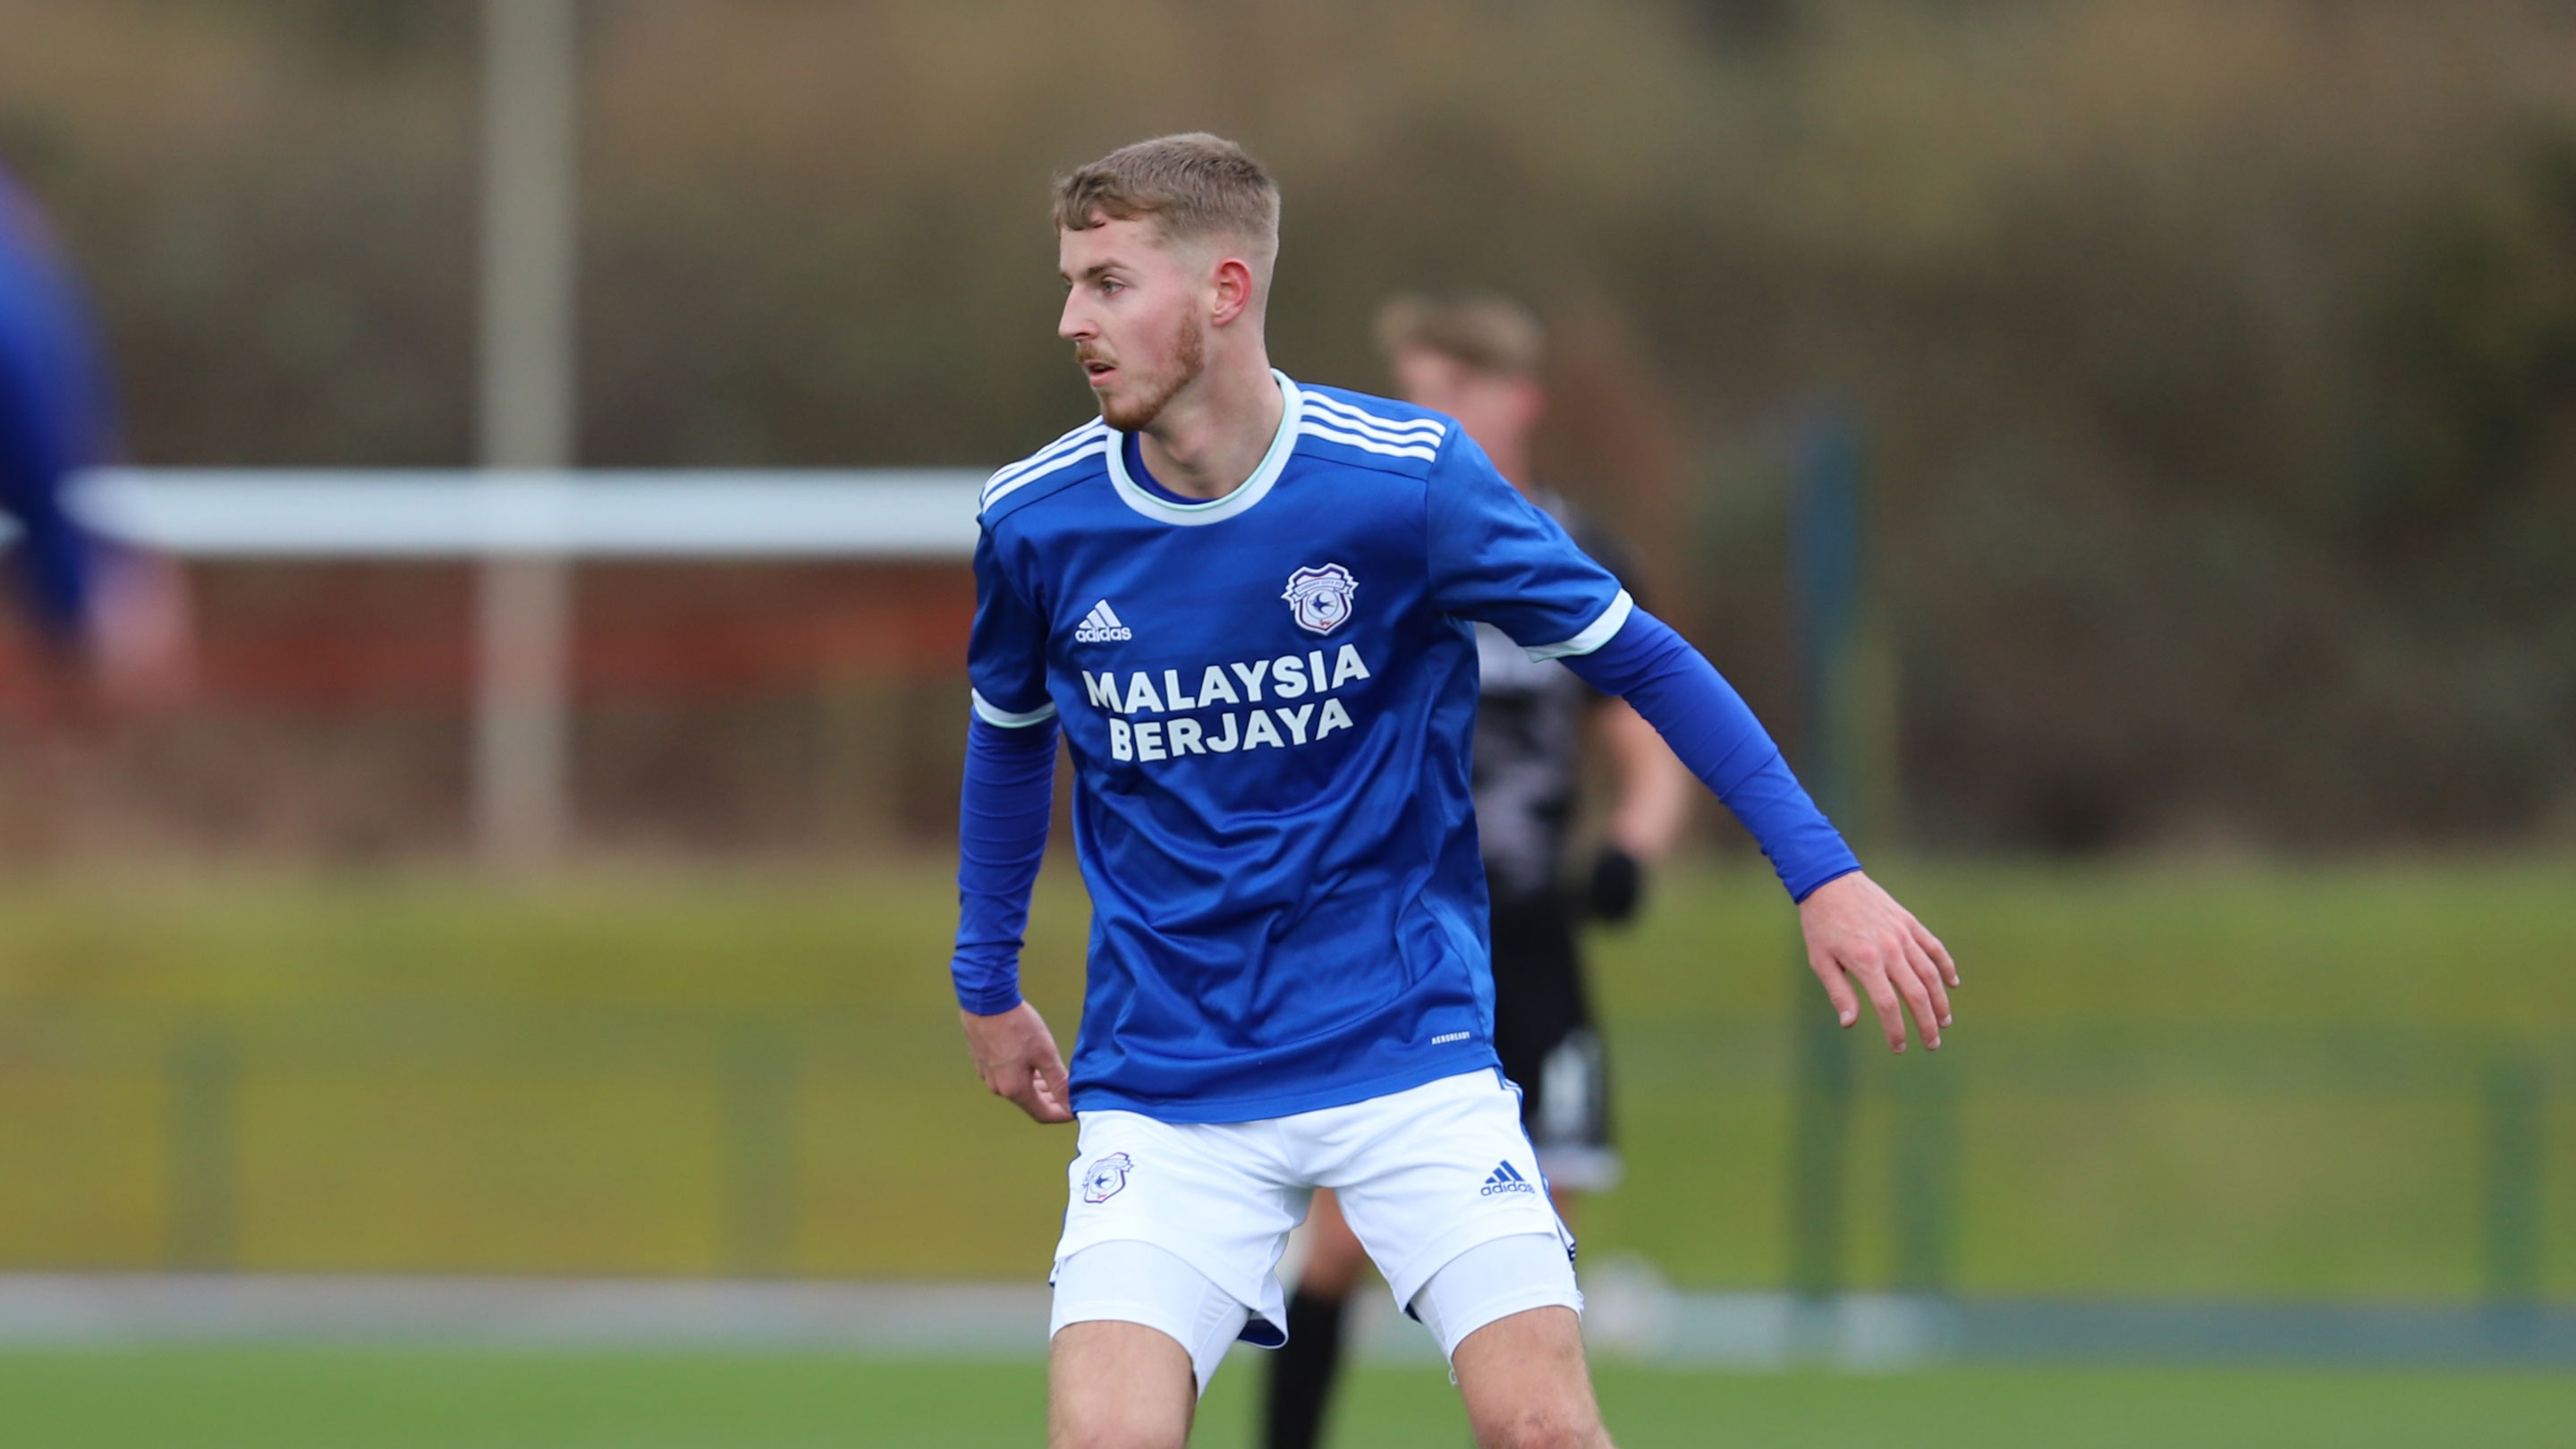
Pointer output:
x,y
1857,933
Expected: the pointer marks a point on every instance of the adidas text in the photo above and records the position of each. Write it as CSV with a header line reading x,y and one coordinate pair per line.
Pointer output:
x,y
1506,1180
1101,626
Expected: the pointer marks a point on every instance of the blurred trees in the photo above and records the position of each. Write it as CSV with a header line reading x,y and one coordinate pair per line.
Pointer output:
x,y
2218,356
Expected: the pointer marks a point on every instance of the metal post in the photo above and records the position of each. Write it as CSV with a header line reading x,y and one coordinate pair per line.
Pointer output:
x,y
760,1155
526,411
1819,1128
1925,1176
2515,1146
204,1082
1826,550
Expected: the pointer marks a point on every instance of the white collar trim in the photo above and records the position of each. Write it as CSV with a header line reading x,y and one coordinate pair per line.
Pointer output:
x,y
1215,510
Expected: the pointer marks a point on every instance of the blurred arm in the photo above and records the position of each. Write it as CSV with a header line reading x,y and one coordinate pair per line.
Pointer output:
x,y
1654,785
54,414
36,459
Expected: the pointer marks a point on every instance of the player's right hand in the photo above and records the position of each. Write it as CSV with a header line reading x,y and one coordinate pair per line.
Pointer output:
x,y
1017,1057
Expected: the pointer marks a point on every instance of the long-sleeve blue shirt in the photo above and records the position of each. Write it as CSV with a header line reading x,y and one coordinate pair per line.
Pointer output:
x,y
1269,699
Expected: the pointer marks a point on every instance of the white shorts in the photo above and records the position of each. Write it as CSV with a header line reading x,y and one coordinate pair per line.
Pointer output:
x,y
1131,1282
1423,1175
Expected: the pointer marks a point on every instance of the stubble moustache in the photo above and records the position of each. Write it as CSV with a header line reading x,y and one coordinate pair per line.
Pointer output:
x,y
1137,412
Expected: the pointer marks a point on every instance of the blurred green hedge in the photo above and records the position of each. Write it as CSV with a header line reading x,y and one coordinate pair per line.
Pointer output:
x,y
2208,1082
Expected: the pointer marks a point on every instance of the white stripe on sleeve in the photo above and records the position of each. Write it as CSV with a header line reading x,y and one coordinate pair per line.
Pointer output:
x,y
1595,634
993,714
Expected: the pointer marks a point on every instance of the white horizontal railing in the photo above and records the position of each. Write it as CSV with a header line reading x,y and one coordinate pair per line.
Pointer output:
x,y
521,529
243,513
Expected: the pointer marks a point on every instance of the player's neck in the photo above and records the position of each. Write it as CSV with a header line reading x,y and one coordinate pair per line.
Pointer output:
x,y
1211,436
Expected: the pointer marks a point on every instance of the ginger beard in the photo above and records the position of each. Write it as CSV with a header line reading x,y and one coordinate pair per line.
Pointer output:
x,y
1139,399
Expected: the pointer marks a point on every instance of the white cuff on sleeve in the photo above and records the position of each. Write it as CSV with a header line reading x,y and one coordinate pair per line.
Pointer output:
x,y
1595,634
993,714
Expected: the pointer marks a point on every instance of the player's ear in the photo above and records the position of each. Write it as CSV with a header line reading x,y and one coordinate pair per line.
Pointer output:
x,y
1233,287
1529,400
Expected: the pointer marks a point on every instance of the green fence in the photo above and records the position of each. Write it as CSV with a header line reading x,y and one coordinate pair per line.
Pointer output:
x,y
2364,1164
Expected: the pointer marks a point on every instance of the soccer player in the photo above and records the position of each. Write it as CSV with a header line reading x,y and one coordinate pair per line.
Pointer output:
x,y
1477,360
1246,603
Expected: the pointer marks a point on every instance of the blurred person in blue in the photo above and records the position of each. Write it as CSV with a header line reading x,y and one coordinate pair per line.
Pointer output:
x,y
119,614
1479,360
1246,605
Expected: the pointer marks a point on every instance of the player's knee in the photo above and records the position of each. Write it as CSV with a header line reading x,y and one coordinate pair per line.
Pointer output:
x,y
1110,1431
1567,1424
1102,1398
1538,1409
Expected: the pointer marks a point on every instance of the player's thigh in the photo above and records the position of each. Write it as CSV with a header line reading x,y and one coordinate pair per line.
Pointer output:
x,y
1334,1256
1444,1167
1525,1383
1113,1383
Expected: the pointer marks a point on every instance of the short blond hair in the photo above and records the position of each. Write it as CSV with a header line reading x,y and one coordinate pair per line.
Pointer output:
x,y
1192,186
1488,333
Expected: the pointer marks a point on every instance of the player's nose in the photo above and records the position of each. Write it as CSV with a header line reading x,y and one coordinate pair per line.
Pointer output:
x,y
1074,324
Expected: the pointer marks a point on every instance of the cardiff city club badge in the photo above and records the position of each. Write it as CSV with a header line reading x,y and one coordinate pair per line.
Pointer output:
x,y
1321,598
1106,1177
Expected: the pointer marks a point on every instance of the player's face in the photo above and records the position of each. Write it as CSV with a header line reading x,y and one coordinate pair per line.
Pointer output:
x,y
1132,310
1499,410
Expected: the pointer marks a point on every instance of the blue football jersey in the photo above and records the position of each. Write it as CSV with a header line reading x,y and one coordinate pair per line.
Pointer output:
x,y
1269,699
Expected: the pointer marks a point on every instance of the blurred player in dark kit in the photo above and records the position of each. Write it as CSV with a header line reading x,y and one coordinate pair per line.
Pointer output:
x,y
1479,360
120,614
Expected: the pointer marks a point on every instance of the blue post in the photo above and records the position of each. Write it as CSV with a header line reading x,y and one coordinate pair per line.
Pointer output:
x,y
1825,550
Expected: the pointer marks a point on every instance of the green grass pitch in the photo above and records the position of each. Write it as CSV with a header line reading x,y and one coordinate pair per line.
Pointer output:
x,y
280,1398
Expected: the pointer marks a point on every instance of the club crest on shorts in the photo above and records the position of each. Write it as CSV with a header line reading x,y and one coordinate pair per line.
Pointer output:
x,y
1106,1177
1321,598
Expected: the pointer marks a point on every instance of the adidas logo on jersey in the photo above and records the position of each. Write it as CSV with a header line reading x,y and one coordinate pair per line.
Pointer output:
x,y
1101,626
1506,1180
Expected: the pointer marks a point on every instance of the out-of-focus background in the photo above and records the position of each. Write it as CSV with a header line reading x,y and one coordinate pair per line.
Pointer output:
x,y
2127,449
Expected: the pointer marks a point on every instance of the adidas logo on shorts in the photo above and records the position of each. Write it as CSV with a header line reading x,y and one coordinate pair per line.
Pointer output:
x,y
1101,626
1506,1180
